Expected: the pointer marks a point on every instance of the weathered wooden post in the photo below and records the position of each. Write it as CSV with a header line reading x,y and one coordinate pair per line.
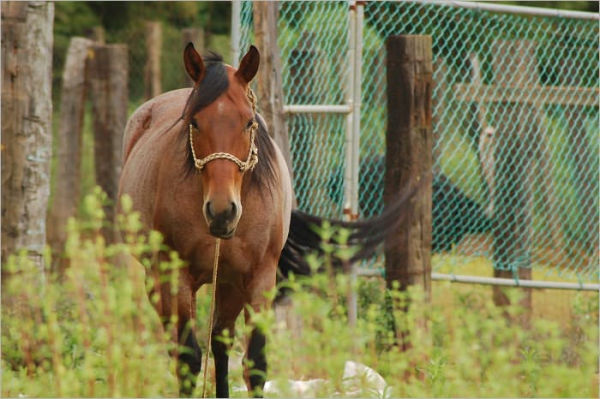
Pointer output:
x,y
481,133
26,126
409,157
270,102
152,74
514,157
68,157
108,80
581,151
270,93
195,36
97,34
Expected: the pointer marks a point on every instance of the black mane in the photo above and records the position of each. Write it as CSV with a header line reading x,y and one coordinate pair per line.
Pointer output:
x,y
214,84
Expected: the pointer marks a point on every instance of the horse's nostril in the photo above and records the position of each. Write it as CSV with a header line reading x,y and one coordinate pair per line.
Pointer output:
x,y
232,209
209,210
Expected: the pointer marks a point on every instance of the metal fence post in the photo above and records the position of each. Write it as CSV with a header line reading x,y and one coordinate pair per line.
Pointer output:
x,y
355,33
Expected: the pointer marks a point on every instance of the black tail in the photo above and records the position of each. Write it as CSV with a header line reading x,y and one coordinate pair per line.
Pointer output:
x,y
364,236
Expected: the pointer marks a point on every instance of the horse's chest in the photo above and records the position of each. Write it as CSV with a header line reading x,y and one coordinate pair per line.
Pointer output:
x,y
236,258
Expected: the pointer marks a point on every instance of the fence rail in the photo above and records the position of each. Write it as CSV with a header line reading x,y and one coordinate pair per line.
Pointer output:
x,y
537,11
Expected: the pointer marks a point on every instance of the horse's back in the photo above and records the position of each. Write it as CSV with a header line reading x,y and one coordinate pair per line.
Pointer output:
x,y
150,132
157,113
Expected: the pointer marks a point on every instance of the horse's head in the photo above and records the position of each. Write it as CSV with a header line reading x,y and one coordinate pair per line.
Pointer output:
x,y
222,134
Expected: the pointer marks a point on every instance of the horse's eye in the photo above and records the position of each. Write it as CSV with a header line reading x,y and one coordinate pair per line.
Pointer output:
x,y
193,123
249,124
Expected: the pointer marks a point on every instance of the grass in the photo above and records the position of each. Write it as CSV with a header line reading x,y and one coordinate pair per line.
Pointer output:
x,y
547,303
93,332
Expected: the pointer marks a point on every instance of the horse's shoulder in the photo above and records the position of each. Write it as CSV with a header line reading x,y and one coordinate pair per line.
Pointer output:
x,y
153,112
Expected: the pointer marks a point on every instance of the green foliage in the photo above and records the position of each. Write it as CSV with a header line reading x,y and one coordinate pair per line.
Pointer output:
x,y
89,332
465,347
93,332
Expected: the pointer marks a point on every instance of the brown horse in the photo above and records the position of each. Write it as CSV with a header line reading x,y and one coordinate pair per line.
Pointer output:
x,y
193,160
190,209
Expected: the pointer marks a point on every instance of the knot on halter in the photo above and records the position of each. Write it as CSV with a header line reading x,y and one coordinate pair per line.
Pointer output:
x,y
251,159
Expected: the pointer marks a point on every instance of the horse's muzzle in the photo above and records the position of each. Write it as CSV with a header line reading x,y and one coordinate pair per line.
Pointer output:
x,y
221,224
221,233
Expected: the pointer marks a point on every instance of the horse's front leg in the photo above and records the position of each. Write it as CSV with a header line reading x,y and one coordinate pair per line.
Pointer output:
x,y
257,359
180,302
255,368
227,308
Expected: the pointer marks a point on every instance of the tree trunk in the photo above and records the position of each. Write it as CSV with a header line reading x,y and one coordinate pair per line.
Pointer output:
x,y
27,39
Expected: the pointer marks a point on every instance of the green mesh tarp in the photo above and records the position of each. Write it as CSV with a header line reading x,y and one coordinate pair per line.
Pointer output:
x,y
515,114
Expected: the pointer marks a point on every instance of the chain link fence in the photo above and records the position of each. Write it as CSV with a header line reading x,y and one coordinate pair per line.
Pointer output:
x,y
515,124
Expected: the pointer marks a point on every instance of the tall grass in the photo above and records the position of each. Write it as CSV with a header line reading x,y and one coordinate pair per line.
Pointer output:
x,y
92,332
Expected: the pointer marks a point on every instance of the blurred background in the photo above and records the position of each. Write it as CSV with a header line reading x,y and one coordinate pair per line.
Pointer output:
x,y
125,22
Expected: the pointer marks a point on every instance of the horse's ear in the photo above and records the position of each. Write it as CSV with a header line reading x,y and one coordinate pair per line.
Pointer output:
x,y
193,63
249,65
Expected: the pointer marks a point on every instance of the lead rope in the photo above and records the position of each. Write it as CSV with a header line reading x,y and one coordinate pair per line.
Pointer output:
x,y
212,311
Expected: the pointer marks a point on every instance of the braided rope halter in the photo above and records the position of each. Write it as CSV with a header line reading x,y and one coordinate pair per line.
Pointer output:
x,y
251,159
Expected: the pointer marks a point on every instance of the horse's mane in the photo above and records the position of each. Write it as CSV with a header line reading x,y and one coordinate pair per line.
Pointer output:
x,y
214,84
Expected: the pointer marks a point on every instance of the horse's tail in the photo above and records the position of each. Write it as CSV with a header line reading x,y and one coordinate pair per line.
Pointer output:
x,y
362,237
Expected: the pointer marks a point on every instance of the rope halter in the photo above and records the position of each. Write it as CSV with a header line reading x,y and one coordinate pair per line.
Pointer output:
x,y
251,159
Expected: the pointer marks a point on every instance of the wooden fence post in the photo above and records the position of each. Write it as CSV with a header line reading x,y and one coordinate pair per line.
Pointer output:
x,y
108,78
514,158
152,74
270,92
98,34
482,134
27,39
195,36
581,151
65,197
409,157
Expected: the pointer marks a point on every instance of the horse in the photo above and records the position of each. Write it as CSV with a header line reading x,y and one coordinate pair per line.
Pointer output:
x,y
199,164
